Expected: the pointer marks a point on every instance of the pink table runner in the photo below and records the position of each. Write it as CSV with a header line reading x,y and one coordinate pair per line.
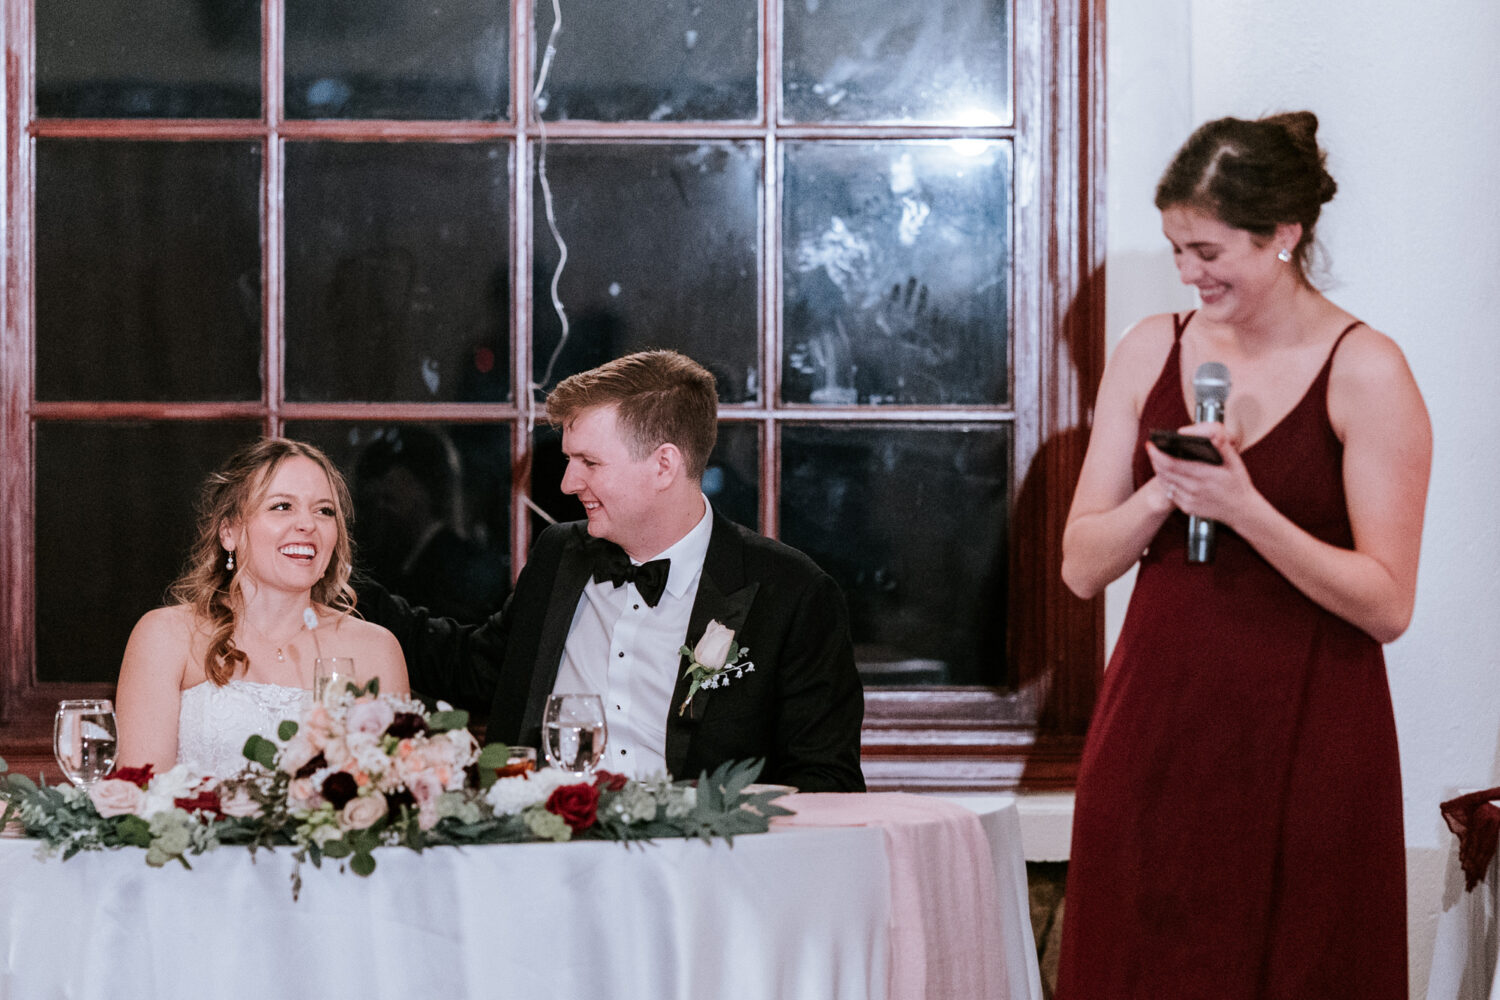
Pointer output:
x,y
945,913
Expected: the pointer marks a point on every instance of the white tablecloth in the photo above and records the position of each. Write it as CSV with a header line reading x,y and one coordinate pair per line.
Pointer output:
x,y
790,914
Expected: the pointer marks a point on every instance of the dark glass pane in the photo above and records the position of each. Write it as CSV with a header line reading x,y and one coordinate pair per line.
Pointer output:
x,y
148,59
662,242
669,60
731,481
397,272
431,508
147,270
114,522
912,523
895,272
442,60
946,62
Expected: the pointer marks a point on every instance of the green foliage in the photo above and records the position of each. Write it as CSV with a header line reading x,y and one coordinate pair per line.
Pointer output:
x,y
442,722
262,750
493,757
718,805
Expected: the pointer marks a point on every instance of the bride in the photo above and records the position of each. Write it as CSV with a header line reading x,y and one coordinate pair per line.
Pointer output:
x,y
234,654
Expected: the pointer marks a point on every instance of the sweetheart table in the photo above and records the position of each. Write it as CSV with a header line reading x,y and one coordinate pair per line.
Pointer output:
x,y
884,896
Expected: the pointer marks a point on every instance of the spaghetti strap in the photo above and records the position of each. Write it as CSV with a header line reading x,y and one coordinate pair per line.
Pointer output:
x,y
1180,322
1328,365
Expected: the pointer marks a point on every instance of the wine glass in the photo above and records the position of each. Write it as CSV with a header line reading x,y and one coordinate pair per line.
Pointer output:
x,y
331,676
574,732
83,739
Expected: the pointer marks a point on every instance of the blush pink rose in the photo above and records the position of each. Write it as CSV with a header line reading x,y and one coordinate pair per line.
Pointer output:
x,y
371,716
713,649
113,797
425,787
362,812
302,794
298,751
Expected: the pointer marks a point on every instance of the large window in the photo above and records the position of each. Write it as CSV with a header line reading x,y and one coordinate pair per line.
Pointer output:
x,y
389,228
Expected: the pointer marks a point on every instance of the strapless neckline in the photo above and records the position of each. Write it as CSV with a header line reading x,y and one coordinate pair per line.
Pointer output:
x,y
214,722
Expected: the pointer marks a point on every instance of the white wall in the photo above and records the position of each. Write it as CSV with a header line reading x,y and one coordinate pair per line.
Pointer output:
x,y
1406,95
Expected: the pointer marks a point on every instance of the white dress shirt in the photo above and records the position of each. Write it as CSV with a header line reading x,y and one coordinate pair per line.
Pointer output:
x,y
626,651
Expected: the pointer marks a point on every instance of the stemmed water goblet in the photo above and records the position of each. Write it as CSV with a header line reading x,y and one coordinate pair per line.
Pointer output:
x,y
574,732
83,739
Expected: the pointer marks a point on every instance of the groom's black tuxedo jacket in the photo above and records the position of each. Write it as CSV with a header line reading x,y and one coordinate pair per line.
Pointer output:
x,y
800,709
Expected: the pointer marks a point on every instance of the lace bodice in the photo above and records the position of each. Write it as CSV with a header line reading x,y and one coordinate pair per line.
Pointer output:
x,y
215,722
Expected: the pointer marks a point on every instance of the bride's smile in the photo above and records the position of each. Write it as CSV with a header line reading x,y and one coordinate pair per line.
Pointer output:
x,y
288,538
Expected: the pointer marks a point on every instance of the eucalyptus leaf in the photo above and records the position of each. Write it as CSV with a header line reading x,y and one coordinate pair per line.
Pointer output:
x,y
441,722
261,750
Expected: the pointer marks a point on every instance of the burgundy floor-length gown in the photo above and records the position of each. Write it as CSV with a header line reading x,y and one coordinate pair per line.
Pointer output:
x,y
1237,829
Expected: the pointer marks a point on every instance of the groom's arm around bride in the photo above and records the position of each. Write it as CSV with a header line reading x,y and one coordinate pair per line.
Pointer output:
x,y
596,610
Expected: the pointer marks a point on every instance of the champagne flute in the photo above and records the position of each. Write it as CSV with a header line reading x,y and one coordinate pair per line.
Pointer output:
x,y
83,739
574,732
331,674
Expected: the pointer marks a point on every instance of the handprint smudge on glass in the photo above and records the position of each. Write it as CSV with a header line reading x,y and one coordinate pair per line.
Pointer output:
x,y
894,272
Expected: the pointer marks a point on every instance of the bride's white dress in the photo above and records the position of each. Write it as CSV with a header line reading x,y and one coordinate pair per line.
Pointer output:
x,y
215,722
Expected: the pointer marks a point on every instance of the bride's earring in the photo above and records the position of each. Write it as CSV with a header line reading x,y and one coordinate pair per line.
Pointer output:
x,y
229,563
1284,255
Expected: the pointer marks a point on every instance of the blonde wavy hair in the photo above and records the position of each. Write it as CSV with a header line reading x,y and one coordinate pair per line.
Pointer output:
x,y
228,496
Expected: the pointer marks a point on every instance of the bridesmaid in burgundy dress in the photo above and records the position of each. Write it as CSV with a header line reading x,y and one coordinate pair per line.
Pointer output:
x,y
1237,831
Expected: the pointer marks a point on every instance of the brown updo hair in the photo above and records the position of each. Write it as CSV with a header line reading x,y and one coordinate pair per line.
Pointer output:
x,y
228,495
1253,175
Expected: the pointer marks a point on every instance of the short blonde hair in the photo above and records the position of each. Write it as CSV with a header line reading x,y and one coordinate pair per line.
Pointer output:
x,y
662,397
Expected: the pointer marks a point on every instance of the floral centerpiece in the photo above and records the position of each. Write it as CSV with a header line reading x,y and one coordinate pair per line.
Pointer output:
x,y
365,770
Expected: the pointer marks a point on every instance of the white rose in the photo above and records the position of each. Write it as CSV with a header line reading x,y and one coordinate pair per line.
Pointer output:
x,y
362,811
165,789
113,797
713,649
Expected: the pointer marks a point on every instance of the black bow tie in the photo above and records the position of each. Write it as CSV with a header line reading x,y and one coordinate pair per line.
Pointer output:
x,y
612,564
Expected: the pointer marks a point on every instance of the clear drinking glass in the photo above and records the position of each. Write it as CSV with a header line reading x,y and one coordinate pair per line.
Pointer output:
x,y
83,739
330,675
574,732
520,761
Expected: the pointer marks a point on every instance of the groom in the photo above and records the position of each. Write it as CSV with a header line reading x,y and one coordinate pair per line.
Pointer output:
x,y
605,604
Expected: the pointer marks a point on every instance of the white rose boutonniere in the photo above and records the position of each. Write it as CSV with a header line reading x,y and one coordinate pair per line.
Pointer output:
x,y
717,659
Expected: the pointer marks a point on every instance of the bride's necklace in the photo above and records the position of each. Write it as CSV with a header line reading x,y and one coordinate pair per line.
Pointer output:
x,y
280,656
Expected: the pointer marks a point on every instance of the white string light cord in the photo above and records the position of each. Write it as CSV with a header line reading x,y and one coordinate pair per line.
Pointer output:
x,y
538,104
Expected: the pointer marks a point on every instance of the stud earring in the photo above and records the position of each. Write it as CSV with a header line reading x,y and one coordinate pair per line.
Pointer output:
x,y
229,563
1284,255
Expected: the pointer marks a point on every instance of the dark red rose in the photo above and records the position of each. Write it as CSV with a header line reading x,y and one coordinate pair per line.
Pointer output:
x,y
205,801
609,781
316,764
138,776
339,787
578,805
406,724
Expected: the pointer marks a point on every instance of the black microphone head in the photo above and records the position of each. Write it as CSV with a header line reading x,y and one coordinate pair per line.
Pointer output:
x,y
1211,384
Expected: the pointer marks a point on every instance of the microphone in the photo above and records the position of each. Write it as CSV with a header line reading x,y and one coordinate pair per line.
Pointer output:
x,y
1211,390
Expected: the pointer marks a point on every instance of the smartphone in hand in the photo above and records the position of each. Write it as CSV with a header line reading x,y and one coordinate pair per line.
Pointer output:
x,y
1189,446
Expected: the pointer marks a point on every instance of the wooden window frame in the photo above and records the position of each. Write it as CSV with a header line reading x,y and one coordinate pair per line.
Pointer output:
x,y
954,738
